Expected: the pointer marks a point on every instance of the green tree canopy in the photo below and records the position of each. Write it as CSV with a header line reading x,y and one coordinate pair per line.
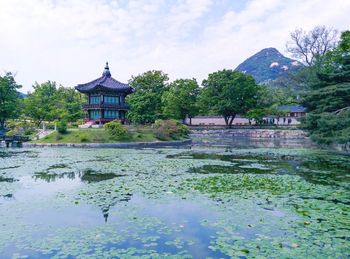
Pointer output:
x,y
8,98
229,93
333,58
328,102
145,103
49,103
69,104
180,99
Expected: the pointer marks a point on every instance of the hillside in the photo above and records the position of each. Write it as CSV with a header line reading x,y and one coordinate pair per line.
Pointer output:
x,y
268,64
22,95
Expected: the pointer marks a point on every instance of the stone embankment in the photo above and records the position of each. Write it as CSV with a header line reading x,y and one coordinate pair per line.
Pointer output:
x,y
154,144
250,133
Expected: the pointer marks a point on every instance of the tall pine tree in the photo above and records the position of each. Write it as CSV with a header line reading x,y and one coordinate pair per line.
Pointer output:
x,y
328,102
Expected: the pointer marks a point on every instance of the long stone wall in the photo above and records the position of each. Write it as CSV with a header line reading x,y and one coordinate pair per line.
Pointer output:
x,y
251,133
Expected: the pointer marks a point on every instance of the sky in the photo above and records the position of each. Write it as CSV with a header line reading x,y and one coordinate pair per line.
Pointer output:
x,y
69,41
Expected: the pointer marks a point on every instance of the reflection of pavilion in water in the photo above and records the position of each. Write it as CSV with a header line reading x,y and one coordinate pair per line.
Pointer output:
x,y
106,207
105,200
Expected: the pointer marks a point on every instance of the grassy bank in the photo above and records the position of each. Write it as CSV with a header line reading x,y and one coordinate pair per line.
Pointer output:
x,y
95,136
101,136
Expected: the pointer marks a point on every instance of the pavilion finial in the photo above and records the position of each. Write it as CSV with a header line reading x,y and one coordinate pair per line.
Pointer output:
x,y
106,72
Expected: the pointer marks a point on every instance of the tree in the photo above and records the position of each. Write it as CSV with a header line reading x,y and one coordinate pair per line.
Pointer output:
x,y
180,99
8,98
69,104
328,102
229,93
49,103
267,103
310,46
333,58
41,104
145,103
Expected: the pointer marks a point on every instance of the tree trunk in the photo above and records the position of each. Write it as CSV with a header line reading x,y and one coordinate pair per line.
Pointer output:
x,y
2,124
229,120
38,123
226,120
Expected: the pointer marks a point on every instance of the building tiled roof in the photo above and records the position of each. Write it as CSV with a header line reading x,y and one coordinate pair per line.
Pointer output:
x,y
106,82
292,108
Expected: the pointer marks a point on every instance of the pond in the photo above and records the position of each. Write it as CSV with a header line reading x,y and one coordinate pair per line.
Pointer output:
x,y
204,201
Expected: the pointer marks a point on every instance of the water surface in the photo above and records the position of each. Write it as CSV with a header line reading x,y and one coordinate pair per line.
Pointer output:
x,y
209,201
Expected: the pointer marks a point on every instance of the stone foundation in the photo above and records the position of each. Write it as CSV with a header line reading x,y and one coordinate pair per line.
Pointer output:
x,y
251,133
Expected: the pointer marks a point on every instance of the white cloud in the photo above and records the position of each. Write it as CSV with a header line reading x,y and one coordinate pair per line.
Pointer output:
x,y
69,41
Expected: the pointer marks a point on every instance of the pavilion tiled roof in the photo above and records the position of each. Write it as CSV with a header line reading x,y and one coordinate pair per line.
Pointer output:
x,y
106,82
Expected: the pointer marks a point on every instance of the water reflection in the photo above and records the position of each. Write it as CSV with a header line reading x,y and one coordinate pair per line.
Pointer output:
x,y
7,179
245,142
52,177
151,207
106,199
87,175
5,153
105,208
8,196
324,169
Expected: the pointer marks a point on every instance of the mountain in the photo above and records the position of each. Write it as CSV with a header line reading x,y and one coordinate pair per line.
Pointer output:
x,y
268,64
21,95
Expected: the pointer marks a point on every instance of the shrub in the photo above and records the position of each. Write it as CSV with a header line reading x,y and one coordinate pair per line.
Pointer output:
x,y
58,137
62,127
169,129
11,133
116,129
20,127
84,137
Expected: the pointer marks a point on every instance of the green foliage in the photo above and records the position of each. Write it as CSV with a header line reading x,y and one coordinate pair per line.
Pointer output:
x,y
328,102
292,85
62,127
169,129
96,136
344,43
145,103
327,127
75,124
116,129
84,137
49,103
8,98
69,104
229,93
180,99
333,58
21,127
41,104
257,115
